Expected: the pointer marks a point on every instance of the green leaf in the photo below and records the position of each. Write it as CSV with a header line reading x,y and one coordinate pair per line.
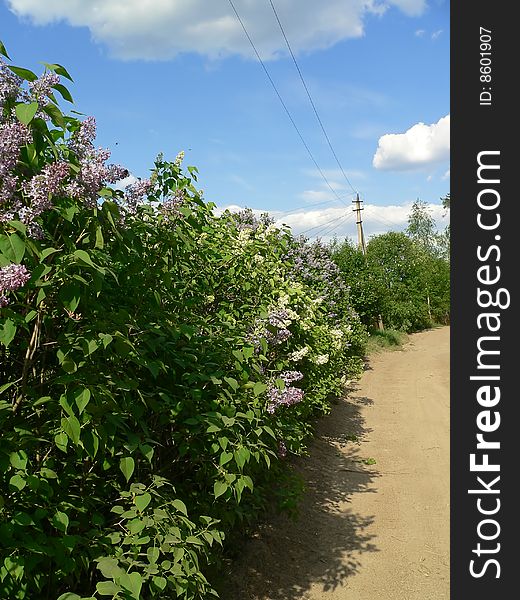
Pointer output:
x,y
70,596
133,583
127,465
153,555
232,383
48,473
100,242
219,488
248,481
18,460
64,403
159,582
142,501
64,92
109,567
83,257
47,252
242,456
248,352
7,332
61,440
59,70
82,398
3,51
12,247
225,457
42,294
25,112
55,114
17,482
90,441
23,73
259,388
147,451
108,588
106,338
71,427
60,521
180,506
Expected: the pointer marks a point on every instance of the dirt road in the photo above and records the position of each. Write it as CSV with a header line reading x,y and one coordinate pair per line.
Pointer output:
x,y
367,531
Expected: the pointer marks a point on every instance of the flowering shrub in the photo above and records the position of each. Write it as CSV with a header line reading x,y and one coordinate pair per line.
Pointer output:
x,y
158,361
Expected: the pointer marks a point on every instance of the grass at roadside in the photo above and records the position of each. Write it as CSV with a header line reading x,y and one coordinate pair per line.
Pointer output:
x,y
387,339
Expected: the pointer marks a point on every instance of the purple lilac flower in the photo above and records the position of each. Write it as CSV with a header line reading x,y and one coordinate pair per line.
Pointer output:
x,y
278,318
13,277
40,188
94,174
81,141
285,397
282,449
12,137
41,87
9,84
135,193
4,300
170,207
290,376
246,219
8,185
282,335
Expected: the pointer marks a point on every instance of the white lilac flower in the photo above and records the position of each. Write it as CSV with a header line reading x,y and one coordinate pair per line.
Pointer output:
x,y
322,359
179,158
299,354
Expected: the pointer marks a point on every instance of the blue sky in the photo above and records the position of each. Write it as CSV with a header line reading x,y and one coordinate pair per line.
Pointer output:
x,y
170,75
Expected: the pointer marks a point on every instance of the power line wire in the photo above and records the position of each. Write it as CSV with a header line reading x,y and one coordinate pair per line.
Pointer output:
x,y
326,224
341,221
283,103
382,220
309,96
308,206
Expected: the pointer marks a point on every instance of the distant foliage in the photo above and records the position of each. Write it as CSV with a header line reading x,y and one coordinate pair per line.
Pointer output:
x,y
403,281
157,362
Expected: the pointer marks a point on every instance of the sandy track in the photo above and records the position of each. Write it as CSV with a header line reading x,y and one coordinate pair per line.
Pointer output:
x,y
367,531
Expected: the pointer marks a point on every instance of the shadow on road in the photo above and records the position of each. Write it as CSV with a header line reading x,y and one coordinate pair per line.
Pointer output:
x,y
321,547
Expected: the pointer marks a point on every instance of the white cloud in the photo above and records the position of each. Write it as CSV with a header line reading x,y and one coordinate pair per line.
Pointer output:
x,y
436,34
420,146
446,175
420,32
340,220
161,29
122,184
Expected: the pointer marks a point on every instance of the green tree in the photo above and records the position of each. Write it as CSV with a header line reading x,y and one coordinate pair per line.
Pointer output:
x,y
395,262
421,227
364,288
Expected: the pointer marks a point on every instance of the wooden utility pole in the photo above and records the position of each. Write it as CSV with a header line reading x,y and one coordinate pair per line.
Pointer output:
x,y
359,222
361,242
